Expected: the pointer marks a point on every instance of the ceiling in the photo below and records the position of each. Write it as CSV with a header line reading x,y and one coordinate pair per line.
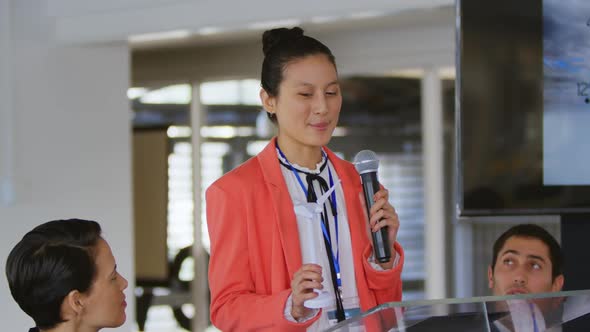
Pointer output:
x,y
316,26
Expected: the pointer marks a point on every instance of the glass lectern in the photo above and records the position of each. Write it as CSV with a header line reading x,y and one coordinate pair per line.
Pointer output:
x,y
562,311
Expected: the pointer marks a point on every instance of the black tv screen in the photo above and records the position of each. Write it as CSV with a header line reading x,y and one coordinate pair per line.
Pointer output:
x,y
523,110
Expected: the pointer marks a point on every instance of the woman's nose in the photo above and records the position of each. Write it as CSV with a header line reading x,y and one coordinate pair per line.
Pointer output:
x,y
125,283
320,104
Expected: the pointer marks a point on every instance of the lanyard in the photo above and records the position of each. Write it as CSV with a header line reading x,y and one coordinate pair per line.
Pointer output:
x,y
535,327
332,201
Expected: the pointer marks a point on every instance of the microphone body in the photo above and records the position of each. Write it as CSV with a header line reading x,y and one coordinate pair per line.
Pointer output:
x,y
366,163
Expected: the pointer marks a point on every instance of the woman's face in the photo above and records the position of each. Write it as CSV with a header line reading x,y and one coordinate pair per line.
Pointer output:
x,y
104,304
308,103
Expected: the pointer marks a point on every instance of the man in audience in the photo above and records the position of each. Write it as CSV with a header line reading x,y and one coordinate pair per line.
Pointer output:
x,y
526,259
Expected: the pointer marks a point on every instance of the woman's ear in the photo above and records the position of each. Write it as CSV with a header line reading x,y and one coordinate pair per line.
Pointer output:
x,y
74,302
268,102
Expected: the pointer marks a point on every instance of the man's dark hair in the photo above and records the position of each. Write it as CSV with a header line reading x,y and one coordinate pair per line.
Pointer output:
x,y
48,263
535,232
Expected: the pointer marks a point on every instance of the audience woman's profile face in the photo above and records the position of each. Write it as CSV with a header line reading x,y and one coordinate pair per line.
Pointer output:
x,y
103,305
523,266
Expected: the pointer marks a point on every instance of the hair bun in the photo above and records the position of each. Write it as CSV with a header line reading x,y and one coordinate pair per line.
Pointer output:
x,y
273,37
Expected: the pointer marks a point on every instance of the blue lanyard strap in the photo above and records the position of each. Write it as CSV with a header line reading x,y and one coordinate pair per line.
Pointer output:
x,y
333,205
535,327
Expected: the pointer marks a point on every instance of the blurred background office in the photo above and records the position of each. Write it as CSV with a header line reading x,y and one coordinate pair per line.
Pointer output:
x,y
125,111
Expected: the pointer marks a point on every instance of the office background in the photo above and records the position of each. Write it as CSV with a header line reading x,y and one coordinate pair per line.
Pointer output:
x,y
68,126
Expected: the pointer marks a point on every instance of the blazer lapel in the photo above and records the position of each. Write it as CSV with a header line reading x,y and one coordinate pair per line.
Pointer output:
x,y
282,206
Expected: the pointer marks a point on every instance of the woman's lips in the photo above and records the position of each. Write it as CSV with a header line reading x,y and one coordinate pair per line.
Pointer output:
x,y
320,125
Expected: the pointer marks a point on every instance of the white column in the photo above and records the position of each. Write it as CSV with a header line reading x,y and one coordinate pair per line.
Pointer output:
x,y
434,223
200,286
464,260
6,107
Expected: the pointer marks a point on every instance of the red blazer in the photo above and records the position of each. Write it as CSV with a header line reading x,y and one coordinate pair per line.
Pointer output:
x,y
255,248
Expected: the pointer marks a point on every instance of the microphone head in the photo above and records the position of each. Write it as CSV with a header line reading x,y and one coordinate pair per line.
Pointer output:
x,y
366,161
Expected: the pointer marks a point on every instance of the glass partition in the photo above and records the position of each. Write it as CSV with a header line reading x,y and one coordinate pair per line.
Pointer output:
x,y
513,313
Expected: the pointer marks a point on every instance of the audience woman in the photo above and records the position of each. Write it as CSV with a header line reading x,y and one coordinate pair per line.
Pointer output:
x,y
64,276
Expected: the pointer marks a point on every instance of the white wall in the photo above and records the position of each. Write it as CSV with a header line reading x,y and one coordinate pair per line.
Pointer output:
x,y
71,134
6,114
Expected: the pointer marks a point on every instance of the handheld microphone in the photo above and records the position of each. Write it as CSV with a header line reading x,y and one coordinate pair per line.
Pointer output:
x,y
367,163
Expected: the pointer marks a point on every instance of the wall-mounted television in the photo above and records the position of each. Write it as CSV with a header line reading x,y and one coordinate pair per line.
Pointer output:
x,y
523,107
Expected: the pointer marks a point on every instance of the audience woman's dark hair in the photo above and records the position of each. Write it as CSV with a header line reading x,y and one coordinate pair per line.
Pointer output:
x,y
52,261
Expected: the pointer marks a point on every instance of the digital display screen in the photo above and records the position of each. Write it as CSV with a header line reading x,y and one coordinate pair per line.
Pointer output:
x,y
523,83
566,104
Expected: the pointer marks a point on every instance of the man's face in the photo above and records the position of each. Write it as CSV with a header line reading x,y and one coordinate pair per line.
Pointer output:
x,y
523,266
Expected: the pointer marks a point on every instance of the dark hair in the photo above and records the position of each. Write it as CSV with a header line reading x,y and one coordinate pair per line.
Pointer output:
x,y
48,263
535,232
281,46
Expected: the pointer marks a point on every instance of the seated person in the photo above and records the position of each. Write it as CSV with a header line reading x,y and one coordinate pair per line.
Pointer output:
x,y
526,259
63,274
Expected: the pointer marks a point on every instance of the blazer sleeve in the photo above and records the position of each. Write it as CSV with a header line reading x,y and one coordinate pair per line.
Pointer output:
x,y
235,305
387,285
